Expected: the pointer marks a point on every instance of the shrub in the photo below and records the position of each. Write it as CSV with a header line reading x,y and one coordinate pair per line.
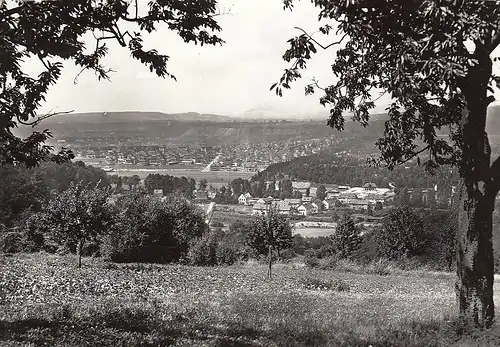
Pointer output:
x,y
310,259
403,234
218,248
340,285
231,249
328,263
203,251
287,255
149,229
382,267
11,242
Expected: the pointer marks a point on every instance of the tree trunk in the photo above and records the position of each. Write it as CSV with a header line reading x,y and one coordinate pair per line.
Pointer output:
x,y
270,261
79,248
475,261
477,201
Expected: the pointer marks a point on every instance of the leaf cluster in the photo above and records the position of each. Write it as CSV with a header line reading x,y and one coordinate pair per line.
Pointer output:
x,y
57,31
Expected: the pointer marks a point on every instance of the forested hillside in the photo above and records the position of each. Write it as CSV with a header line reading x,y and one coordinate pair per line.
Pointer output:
x,y
330,168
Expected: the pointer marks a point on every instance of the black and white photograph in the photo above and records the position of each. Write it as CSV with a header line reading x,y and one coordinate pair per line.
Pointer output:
x,y
250,173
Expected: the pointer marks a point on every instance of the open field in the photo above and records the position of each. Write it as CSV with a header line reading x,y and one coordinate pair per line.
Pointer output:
x,y
314,232
46,300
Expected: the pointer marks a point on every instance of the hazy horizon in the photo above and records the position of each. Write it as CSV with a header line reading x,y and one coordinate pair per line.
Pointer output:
x,y
230,80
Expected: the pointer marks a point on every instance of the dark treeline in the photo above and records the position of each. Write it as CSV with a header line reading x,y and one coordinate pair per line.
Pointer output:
x,y
25,191
170,184
332,169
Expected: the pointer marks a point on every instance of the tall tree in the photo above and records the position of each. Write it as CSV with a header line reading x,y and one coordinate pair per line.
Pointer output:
x,y
269,233
321,193
347,238
286,189
434,60
78,215
203,184
402,235
53,31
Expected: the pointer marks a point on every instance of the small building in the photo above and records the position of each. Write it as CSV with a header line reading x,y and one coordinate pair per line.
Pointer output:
x,y
313,189
370,186
374,198
317,205
243,198
347,198
329,203
282,207
252,201
293,202
260,209
332,193
305,209
301,187
359,204
307,198
264,201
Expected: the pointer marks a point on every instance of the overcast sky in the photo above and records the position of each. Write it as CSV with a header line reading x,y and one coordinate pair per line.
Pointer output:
x,y
228,79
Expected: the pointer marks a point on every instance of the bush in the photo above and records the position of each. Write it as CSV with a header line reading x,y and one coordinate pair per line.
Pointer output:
x,y
287,255
310,258
217,247
329,263
153,230
11,242
382,267
203,251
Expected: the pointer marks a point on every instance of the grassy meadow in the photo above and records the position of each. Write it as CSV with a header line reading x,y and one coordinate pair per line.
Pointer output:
x,y
46,301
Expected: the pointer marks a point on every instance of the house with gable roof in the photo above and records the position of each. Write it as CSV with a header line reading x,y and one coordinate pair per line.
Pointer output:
x,y
243,199
306,209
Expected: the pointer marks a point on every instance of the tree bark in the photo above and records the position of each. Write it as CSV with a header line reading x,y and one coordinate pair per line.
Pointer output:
x,y
475,261
477,200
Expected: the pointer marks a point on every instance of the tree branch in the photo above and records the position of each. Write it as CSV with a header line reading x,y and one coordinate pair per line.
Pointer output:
x,y
414,155
41,118
319,44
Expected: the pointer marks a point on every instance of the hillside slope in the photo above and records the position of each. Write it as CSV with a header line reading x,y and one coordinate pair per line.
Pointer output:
x,y
193,127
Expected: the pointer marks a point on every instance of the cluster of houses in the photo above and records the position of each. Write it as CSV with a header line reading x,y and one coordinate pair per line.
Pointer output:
x,y
356,198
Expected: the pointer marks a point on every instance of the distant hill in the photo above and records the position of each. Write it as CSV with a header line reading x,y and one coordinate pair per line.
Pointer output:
x,y
134,116
157,127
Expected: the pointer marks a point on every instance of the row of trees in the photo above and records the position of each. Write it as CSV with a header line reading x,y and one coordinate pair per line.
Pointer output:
x,y
422,236
170,184
333,169
24,191
84,219
87,219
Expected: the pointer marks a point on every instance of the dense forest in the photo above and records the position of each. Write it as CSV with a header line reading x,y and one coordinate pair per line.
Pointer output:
x,y
334,169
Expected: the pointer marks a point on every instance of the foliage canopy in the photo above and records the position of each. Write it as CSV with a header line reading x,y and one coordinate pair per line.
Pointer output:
x,y
79,30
